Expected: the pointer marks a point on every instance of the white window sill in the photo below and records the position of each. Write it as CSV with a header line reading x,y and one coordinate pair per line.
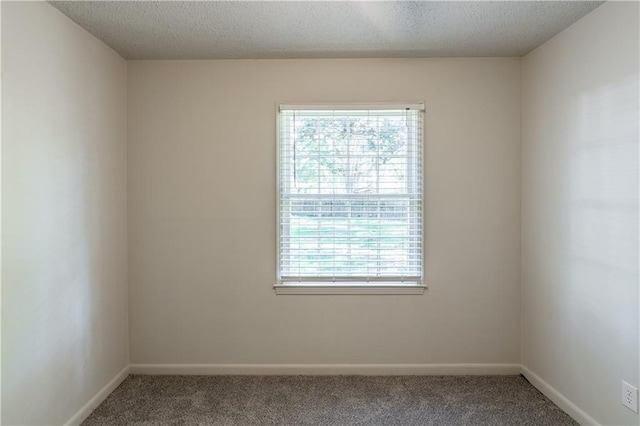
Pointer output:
x,y
353,288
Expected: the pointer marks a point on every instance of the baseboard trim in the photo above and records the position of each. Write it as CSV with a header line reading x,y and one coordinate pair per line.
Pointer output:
x,y
560,400
327,369
93,403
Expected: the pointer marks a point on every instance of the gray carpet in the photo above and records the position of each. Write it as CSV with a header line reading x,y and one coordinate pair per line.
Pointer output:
x,y
327,400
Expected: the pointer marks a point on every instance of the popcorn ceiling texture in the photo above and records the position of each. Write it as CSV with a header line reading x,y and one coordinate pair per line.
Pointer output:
x,y
254,30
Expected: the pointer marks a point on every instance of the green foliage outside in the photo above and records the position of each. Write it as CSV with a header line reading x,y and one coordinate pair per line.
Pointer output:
x,y
350,155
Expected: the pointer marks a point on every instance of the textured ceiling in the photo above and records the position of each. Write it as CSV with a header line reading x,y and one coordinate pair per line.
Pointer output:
x,y
314,29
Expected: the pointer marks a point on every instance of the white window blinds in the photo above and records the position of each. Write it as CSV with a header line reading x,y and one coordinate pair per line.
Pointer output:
x,y
350,194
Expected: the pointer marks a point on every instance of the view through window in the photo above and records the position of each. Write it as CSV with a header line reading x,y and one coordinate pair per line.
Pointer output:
x,y
350,194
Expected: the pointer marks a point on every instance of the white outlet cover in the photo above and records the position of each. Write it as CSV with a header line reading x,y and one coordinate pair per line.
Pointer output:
x,y
630,396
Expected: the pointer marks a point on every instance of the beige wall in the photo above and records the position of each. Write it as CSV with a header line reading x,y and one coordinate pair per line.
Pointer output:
x,y
202,181
580,211
64,266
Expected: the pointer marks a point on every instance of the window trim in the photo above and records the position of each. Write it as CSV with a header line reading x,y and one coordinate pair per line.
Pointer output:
x,y
350,289
345,288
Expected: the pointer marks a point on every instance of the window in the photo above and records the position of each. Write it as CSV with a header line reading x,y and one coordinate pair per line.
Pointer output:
x,y
350,199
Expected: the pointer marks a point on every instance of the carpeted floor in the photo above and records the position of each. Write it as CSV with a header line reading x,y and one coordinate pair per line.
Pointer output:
x,y
327,400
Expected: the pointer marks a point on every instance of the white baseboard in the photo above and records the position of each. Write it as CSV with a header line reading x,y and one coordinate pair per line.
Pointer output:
x,y
327,369
88,408
560,400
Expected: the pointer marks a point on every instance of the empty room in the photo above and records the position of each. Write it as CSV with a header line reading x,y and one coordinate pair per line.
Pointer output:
x,y
320,212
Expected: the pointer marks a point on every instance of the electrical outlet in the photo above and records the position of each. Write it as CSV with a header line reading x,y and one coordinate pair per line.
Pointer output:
x,y
629,396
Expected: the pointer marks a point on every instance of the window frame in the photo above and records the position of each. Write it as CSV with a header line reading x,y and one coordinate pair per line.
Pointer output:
x,y
345,287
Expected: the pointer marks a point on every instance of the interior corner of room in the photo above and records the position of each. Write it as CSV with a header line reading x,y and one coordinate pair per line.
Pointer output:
x,y
139,216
